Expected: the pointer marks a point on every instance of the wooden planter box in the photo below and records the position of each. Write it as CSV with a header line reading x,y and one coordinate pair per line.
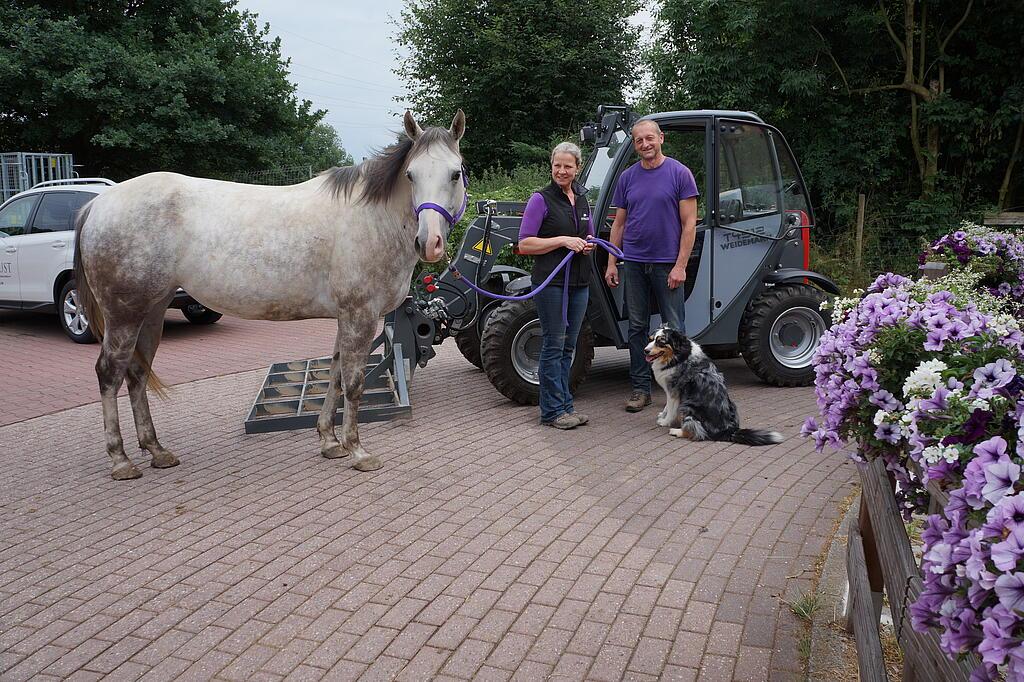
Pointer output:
x,y
879,555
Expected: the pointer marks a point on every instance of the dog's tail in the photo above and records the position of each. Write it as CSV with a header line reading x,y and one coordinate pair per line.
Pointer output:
x,y
755,437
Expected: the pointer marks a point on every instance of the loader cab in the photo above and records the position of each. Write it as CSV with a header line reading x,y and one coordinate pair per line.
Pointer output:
x,y
751,198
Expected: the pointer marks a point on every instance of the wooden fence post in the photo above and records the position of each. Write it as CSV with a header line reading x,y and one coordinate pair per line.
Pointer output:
x,y
858,256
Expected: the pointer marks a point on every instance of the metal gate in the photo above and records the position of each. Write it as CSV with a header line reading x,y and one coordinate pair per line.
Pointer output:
x,y
20,171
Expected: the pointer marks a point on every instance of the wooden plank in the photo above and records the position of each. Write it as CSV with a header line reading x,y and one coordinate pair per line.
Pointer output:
x,y
903,581
1007,218
891,539
862,611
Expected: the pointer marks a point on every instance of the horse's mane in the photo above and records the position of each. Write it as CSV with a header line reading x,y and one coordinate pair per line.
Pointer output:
x,y
381,172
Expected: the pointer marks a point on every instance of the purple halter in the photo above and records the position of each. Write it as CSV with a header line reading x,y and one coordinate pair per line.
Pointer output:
x,y
452,219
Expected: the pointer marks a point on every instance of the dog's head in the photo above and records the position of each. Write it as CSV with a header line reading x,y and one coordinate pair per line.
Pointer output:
x,y
668,344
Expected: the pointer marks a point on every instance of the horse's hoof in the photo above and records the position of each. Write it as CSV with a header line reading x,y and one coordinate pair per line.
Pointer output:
x,y
125,472
371,463
336,451
164,460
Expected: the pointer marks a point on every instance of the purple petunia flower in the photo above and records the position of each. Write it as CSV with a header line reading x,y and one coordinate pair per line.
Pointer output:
x,y
990,377
998,626
1010,591
999,480
1007,553
890,433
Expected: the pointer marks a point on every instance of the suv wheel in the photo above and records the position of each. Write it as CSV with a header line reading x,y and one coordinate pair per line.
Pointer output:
x,y
510,351
71,315
196,313
780,332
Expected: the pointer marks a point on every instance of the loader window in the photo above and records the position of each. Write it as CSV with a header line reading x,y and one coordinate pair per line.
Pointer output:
x,y
746,174
596,174
794,194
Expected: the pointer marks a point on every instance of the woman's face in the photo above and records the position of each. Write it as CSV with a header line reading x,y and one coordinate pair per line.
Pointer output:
x,y
563,169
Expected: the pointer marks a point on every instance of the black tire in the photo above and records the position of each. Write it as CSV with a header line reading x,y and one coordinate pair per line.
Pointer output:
x,y
71,315
780,331
196,313
468,342
511,347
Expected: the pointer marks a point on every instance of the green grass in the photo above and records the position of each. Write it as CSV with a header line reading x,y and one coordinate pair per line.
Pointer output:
x,y
806,606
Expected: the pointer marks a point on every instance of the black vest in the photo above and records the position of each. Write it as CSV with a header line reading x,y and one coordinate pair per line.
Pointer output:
x,y
562,221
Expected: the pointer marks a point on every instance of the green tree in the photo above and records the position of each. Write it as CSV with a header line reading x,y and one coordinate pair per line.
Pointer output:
x,y
193,86
916,101
520,69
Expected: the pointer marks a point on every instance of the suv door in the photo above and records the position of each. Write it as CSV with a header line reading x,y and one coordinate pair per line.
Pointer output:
x,y
748,216
48,248
14,218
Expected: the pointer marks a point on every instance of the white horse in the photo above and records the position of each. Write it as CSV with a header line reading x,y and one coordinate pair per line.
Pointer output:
x,y
341,245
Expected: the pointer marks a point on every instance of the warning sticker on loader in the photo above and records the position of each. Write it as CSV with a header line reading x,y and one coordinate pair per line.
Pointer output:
x,y
479,246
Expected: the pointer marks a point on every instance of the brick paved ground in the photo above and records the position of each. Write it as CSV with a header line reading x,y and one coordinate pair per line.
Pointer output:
x,y
488,547
42,371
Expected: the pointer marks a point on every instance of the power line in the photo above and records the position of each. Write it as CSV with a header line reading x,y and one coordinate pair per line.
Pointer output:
x,y
346,101
336,49
344,85
335,74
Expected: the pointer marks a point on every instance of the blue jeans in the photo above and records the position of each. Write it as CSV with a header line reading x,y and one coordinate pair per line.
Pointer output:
x,y
641,282
557,346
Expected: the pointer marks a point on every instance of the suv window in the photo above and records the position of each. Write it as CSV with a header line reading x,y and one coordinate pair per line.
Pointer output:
x,y
14,216
57,211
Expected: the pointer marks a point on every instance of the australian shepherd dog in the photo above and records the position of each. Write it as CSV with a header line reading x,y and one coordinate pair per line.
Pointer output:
x,y
697,404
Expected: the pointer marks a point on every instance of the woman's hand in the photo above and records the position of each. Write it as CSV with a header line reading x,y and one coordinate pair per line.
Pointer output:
x,y
576,244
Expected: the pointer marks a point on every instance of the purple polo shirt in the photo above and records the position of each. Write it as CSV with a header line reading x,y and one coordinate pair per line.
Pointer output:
x,y
651,198
534,214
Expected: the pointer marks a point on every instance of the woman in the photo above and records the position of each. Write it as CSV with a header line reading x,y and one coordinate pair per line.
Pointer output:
x,y
556,222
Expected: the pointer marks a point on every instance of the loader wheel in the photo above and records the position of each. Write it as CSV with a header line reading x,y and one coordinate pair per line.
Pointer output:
x,y
468,340
780,331
510,351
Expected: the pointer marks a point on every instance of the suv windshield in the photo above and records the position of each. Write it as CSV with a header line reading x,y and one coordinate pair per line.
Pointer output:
x,y
601,160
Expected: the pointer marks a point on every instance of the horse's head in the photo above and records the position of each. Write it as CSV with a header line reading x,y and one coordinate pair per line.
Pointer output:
x,y
438,183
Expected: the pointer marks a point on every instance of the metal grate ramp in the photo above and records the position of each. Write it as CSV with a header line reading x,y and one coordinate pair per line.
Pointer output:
x,y
293,393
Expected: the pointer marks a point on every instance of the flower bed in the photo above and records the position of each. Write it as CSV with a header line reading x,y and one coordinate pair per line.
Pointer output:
x,y
998,257
929,375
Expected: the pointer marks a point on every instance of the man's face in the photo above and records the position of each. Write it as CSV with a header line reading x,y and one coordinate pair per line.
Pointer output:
x,y
647,141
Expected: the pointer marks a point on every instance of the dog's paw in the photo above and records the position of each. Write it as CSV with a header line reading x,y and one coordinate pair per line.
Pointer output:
x,y
663,420
676,433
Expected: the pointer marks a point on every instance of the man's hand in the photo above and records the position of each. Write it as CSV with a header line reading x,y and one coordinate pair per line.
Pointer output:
x,y
676,276
611,273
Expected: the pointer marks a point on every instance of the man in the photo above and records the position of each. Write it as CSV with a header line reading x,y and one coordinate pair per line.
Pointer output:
x,y
655,225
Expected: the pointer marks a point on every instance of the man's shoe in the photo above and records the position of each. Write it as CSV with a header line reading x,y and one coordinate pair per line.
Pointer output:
x,y
563,421
580,418
638,401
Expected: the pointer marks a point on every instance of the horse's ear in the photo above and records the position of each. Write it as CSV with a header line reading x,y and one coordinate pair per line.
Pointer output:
x,y
412,128
458,125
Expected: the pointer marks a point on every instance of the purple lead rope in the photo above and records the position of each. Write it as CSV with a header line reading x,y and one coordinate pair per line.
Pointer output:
x,y
607,246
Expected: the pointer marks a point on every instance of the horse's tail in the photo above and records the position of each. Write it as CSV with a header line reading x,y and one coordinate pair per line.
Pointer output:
x,y
85,298
92,311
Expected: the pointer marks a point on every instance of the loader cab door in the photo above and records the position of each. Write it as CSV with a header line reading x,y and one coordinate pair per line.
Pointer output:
x,y
749,213
689,142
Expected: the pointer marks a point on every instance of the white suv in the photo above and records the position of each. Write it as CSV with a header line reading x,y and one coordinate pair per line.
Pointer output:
x,y
37,247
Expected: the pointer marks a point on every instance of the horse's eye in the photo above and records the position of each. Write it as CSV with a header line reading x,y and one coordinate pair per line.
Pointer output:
x,y
456,175
408,174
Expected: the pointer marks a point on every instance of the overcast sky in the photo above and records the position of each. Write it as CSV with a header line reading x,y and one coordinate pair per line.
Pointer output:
x,y
343,55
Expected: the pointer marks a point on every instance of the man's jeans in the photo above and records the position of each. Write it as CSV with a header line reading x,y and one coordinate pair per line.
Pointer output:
x,y
557,347
642,281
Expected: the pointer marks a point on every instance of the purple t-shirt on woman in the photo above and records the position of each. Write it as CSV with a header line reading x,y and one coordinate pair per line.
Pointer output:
x,y
651,198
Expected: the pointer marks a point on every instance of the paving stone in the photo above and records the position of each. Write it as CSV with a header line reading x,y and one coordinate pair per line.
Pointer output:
x,y
503,550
